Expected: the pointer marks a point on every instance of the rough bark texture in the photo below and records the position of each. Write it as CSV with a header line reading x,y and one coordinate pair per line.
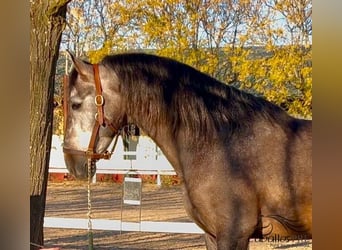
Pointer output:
x,y
47,23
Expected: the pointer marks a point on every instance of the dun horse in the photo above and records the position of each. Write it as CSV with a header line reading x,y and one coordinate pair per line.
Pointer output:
x,y
244,162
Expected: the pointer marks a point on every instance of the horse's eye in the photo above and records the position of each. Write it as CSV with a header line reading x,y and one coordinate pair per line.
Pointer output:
x,y
75,106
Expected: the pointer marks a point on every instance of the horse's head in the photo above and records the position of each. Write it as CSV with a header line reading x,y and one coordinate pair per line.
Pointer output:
x,y
83,102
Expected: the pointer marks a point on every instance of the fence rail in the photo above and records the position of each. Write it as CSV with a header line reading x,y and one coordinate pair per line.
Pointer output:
x,y
116,225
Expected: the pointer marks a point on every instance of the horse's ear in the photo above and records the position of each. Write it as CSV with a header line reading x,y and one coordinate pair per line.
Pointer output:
x,y
83,68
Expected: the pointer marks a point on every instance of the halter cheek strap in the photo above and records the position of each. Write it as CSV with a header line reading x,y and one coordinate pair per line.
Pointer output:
x,y
100,120
99,100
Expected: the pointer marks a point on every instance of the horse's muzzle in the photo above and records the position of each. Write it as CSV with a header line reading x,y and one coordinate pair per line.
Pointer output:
x,y
77,165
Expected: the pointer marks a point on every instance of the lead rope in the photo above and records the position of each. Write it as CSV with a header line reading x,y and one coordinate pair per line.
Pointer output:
x,y
89,214
90,227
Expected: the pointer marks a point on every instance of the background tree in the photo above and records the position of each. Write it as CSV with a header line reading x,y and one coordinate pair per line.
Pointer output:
x,y
47,23
275,60
261,46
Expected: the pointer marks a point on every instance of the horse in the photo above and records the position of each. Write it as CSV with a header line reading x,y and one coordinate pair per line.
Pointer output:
x,y
245,164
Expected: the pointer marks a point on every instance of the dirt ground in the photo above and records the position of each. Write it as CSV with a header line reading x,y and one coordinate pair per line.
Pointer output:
x,y
68,199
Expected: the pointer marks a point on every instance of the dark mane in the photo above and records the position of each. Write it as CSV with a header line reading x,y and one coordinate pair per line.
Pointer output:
x,y
161,90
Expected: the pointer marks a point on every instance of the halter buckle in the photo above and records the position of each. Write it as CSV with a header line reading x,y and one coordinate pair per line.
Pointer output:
x,y
106,155
89,153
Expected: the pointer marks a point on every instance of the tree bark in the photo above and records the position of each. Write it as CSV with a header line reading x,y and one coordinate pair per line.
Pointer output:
x,y
47,23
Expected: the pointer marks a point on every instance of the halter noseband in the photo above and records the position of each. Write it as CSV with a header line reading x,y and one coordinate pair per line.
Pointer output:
x,y
100,120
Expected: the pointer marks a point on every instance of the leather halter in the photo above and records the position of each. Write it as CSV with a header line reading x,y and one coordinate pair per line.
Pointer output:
x,y
100,120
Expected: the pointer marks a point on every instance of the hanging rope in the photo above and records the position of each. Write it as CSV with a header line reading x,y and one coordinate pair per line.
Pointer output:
x,y
89,214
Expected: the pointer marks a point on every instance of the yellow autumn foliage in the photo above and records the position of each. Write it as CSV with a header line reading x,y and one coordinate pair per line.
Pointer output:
x,y
238,42
284,77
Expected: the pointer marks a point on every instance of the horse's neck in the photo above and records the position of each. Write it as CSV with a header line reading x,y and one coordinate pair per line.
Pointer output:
x,y
165,140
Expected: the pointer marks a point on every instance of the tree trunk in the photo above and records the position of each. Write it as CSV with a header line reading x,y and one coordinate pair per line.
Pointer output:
x,y
47,23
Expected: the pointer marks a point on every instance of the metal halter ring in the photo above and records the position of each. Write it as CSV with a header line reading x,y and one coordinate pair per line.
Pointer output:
x,y
97,119
96,116
99,100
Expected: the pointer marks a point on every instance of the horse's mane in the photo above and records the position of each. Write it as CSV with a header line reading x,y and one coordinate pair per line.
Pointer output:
x,y
164,90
